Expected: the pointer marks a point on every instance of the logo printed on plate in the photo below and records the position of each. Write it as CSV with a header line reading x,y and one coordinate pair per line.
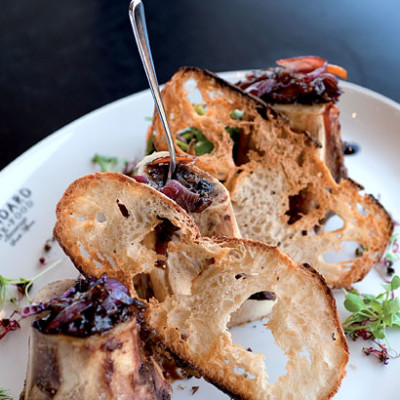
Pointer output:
x,y
14,222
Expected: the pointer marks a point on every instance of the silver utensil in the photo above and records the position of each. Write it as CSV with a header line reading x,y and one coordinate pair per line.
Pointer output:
x,y
138,21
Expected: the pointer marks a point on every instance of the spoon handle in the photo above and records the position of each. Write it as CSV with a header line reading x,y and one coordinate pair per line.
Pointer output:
x,y
138,21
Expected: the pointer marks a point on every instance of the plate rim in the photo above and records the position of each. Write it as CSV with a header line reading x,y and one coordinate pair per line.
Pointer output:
x,y
56,139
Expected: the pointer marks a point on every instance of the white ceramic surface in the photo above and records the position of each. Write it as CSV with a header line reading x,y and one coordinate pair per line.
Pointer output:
x,y
38,178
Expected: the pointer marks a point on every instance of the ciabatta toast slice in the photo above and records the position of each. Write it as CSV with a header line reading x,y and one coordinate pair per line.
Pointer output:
x,y
205,282
111,222
108,222
282,192
303,321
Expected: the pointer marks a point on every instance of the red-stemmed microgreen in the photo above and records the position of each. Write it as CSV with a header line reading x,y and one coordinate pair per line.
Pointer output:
x,y
23,285
8,325
371,315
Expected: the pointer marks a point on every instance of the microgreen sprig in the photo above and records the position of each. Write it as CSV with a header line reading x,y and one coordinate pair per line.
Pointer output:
x,y
393,251
106,163
192,136
23,285
371,315
4,395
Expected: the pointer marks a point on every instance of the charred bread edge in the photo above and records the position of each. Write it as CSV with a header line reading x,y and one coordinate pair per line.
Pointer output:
x,y
77,183
332,304
261,107
362,272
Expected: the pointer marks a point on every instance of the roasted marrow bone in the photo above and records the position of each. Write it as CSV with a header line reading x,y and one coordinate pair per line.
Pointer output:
x,y
305,90
202,196
68,361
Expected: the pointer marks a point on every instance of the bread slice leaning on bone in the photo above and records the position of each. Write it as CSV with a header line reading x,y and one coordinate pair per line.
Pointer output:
x,y
108,221
303,319
281,191
190,319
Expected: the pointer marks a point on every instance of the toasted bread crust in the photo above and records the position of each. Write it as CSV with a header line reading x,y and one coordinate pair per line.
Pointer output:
x,y
79,231
172,320
120,241
274,171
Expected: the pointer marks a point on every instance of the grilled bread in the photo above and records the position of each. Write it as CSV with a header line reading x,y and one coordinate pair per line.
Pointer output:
x,y
111,221
281,191
189,319
303,321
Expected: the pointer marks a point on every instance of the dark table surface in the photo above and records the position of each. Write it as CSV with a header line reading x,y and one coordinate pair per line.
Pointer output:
x,y
60,60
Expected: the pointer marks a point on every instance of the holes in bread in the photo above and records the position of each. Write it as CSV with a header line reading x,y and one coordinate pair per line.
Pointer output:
x,y
347,252
361,210
240,371
192,92
244,147
100,217
261,341
98,264
301,204
142,285
333,222
300,159
122,208
163,235
83,251
194,96
213,94
111,261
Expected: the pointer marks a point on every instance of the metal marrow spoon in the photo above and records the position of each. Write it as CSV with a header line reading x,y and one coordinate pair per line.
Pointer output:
x,y
138,21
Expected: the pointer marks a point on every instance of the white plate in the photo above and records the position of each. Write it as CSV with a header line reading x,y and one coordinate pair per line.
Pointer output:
x,y
39,177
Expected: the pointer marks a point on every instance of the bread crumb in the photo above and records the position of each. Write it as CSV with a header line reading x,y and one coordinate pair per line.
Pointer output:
x,y
352,366
181,387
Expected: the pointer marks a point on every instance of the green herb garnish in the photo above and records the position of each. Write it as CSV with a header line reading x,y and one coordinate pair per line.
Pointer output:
x,y
393,251
360,250
22,284
184,146
237,114
371,315
200,108
4,395
150,119
106,163
234,131
150,145
194,137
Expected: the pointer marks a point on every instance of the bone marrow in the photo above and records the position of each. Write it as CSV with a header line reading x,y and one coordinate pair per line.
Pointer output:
x,y
191,191
301,80
87,344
